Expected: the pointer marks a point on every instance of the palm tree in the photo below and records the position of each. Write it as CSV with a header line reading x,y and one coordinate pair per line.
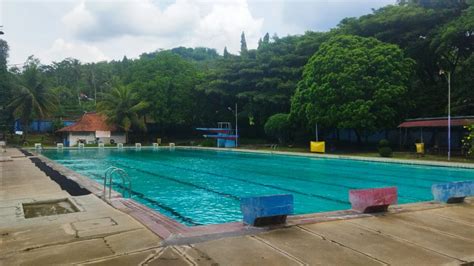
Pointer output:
x,y
123,108
31,98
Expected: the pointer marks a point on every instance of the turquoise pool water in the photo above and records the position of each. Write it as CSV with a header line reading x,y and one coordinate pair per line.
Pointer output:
x,y
199,187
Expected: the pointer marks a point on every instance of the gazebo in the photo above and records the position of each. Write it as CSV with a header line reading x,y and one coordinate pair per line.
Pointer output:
x,y
433,131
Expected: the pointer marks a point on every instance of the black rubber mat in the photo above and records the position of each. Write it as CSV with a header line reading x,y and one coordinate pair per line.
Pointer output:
x,y
26,153
66,184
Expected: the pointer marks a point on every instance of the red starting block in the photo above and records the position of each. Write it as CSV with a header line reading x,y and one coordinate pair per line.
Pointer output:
x,y
373,200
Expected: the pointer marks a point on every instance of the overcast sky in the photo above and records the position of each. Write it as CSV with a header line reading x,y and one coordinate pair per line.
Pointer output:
x,y
95,30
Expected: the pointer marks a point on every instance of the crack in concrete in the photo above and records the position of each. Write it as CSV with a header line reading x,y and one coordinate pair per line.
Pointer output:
x,y
76,239
341,245
280,251
154,256
406,241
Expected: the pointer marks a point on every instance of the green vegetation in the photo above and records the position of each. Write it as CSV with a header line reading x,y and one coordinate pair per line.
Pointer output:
x,y
468,141
367,74
123,108
278,127
384,148
353,82
30,96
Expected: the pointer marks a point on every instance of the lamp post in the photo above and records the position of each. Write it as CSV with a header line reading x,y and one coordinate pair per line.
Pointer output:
x,y
448,75
236,125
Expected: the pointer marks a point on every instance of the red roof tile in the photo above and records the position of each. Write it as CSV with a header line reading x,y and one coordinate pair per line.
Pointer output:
x,y
89,122
442,122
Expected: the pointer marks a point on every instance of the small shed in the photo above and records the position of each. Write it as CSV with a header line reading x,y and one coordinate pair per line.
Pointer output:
x,y
433,131
92,128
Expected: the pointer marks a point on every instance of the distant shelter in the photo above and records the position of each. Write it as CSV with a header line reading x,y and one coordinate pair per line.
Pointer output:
x,y
433,131
92,128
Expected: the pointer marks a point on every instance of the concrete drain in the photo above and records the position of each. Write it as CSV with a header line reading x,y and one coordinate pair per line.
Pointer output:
x,y
48,208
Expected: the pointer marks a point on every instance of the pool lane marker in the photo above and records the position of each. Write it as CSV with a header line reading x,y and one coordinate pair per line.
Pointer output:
x,y
408,171
157,203
227,195
242,180
314,171
336,185
162,206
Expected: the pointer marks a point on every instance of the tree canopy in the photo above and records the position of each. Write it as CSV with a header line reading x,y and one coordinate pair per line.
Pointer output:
x,y
353,82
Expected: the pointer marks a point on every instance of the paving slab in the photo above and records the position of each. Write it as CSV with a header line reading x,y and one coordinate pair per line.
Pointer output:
x,y
244,251
170,257
132,240
19,239
445,244
61,254
128,259
324,252
461,213
377,245
437,222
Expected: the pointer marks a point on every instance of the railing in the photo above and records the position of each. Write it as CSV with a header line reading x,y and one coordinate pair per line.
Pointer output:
x,y
126,183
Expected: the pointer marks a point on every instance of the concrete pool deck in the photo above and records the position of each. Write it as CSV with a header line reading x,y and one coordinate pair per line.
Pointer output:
x,y
422,234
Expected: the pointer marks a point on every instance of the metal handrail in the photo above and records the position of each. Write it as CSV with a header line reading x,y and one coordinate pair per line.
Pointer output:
x,y
109,172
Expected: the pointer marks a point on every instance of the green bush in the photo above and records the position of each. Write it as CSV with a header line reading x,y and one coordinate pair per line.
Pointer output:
x,y
208,143
468,140
385,152
384,143
278,126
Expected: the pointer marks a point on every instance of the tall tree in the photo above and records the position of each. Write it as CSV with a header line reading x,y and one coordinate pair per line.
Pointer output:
x,y
417,26
31,98
266,38
5,88
354,82
226,53
123,108
167,82
243,45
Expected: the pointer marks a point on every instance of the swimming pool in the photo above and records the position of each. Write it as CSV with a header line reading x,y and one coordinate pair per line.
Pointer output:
x,y
198,187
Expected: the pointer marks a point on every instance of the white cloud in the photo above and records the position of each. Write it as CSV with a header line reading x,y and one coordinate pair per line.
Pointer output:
x,y
181,23
93,30
62,49
223,25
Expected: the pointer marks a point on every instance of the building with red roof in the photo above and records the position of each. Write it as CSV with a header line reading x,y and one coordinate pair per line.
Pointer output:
x,y
92,128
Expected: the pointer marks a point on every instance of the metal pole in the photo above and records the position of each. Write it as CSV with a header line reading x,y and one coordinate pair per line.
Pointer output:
x,y
236,128
449,116
316,132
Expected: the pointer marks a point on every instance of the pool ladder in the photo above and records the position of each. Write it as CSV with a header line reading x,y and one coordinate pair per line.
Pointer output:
x,y
126,183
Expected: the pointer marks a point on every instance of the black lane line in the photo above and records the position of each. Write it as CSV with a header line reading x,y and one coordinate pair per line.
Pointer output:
x,y
155,203
324,183
66,184
227,195
161,206
347,169
407,172
331,184
257,183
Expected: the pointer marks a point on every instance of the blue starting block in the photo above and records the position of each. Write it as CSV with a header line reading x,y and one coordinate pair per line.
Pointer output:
x,y
453,192
266,210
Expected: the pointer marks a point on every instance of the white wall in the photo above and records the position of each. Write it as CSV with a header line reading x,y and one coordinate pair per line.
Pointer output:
x,y
89,137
